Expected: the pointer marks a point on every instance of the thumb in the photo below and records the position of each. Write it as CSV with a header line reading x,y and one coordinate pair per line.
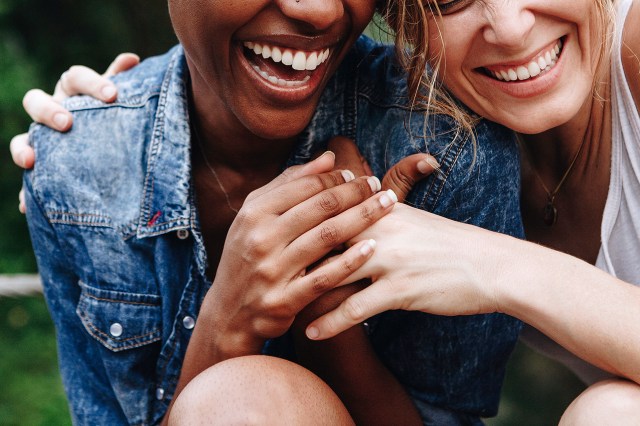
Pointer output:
x,y
407,172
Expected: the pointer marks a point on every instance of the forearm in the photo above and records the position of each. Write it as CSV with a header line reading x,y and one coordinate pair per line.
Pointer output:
x,y
349,365
213,341
586,310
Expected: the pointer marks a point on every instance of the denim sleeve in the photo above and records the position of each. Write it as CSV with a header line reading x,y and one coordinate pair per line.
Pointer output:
x,y
88,390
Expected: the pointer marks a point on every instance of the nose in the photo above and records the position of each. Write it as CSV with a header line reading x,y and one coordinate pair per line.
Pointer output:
x,y
320,14
508,23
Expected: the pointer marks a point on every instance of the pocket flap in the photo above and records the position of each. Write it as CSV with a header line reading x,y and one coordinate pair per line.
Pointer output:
x,y
120,320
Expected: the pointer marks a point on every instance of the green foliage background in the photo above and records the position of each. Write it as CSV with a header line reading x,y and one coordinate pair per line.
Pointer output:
x,y
39,39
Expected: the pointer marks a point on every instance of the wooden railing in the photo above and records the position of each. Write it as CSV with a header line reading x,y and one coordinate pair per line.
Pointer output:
x,y
20,285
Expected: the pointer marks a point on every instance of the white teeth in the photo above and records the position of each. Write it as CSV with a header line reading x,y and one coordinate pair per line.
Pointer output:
x,y
266,52
542,63
534,69
287,58
298,60
538,66
312,62
523,73
280,81
276,54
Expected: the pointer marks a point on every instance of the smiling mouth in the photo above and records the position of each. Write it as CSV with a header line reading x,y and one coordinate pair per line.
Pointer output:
x,y
544,62
284,67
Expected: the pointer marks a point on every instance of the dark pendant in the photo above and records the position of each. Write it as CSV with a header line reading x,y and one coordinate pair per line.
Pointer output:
x,y
550,214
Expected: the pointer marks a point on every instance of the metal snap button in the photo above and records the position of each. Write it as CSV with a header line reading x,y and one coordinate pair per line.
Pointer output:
x,y
188,322
116,329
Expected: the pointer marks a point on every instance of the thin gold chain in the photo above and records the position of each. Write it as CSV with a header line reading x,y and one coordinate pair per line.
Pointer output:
x,y
212,169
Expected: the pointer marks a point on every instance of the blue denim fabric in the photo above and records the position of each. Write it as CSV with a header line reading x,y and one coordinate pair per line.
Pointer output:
x,y
115,229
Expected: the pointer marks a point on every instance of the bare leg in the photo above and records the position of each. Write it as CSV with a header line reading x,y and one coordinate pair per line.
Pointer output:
x,y
607,402
258,390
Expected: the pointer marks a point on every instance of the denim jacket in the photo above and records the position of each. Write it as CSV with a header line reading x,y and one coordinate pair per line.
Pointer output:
x,y
114,225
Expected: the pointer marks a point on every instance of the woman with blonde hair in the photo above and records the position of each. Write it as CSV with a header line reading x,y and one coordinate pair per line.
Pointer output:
x,y
565,76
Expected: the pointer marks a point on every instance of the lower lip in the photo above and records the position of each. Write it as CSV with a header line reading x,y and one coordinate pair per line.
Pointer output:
x,y
280,94
532,87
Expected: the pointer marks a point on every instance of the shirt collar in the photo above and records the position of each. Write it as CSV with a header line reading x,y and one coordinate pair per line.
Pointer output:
x,y
167,203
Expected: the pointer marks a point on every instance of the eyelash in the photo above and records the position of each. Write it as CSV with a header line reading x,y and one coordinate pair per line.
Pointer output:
x,y
451,6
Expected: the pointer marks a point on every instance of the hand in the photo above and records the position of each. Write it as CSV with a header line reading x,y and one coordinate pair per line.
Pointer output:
x,y
422,262
48,110
282,228
400,178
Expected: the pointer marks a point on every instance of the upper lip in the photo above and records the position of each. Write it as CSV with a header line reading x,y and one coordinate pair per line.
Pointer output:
x,y
296,42
526,59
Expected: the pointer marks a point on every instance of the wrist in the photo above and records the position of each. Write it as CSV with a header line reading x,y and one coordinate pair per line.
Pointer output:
x,y
227,338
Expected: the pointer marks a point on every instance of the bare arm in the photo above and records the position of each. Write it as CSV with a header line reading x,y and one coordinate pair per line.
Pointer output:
x,y
282,228
449,268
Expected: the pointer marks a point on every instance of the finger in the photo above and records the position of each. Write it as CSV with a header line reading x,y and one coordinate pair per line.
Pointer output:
x,y
322,164
22,206
122,62
330,275
310,211
21,153
407,172
81,80
321,239
42,108
357,308
348,156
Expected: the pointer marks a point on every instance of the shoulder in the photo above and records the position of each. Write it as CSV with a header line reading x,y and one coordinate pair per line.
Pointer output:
x,y
100,163
631,50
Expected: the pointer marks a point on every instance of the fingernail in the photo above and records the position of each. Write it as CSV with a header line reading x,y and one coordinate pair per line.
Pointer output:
x,y
426,165
61,120
108,92
348,175
331,153
313,333
374,183
388,198
368,247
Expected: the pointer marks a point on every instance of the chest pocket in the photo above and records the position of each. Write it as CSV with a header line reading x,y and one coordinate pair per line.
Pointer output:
x,y
128,328
118,320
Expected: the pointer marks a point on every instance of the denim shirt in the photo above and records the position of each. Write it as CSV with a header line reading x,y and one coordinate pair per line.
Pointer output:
x,y
114,225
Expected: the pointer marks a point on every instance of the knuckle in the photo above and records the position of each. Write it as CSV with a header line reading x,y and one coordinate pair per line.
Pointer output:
x,y
329,235
363,189
320,284
367,214
329,202
400,179
354,310
258,244
349,266
312,184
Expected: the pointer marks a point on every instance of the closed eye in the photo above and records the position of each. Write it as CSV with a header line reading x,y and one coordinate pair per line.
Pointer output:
x,y
452,6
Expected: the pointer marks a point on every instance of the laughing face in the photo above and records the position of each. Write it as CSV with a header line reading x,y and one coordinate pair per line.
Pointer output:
x,y
527,64
261,65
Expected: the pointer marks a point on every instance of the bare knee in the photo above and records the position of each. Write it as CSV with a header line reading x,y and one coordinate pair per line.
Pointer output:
x,y
257,390
605,402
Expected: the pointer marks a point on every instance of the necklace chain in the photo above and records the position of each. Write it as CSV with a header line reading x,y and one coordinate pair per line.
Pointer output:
x,y
550,212
212,169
